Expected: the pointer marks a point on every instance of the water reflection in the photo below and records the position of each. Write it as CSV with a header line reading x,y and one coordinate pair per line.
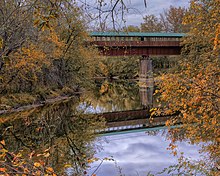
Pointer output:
x,y
66,135
146,90
119,95
138,152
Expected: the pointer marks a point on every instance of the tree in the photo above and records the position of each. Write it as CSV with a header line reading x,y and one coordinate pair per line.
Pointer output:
x,y
105,13
193,90
151,24
172,19
43,46
56,137
169,21
131,28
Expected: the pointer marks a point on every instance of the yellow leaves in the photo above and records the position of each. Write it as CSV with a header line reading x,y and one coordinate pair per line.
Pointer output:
x,y
1,42
153,111
49,169
55,39
156,92
55,47
36,164
29,58
91,160
103,68
36,22
104,88
67,165
3,152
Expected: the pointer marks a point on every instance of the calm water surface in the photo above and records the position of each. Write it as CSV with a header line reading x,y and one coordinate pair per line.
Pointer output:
x,y
138,152
65,129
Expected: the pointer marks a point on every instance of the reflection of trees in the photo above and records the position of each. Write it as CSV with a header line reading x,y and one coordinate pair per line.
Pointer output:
x,y
65,134
122,67
114,96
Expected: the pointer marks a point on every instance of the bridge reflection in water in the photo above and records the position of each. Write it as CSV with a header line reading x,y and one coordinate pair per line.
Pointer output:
x,y
134,124
135,119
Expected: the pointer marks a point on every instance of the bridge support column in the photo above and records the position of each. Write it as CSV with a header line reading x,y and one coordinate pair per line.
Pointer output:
x,y
146,82
146,67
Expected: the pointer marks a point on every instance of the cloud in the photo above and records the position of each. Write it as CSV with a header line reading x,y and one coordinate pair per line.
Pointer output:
x,y
139,153
138,11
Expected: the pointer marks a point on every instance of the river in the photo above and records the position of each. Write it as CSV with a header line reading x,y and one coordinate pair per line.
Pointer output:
x,y
66,130
138,153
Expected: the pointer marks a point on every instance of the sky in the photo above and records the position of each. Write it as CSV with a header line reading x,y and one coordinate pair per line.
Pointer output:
x,y
136,9
138,153
135,16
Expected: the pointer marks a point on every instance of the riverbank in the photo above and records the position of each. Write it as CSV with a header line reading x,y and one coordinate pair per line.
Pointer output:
x,y
18,102
35,105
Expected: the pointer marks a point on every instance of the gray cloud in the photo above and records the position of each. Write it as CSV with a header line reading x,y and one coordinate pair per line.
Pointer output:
x,y
139,153
138,11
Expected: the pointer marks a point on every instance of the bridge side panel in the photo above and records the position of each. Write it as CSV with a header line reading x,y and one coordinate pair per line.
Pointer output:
x,y
139,51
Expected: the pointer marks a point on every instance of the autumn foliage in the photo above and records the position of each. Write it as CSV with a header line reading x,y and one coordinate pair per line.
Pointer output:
x,y
193,90
42,46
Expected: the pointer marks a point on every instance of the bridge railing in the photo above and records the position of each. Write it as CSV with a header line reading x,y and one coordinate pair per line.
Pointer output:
x,y
115,38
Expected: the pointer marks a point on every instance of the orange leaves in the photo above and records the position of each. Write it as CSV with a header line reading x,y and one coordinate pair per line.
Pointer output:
x,y
2,142
173,148
104,88
36,164
168,123
53,45
22,163
49,169
194,90
29,58
91,160
217,38
3,169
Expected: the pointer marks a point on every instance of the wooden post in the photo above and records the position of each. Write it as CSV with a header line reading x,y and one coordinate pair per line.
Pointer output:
x,y
146,82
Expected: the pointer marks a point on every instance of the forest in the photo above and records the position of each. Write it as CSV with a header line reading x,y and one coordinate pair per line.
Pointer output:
x,y
44,55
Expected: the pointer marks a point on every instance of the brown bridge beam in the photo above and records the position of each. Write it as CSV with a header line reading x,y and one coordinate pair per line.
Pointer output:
x,y
139,51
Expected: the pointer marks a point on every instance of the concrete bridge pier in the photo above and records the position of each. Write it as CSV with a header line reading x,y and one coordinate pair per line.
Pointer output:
x,y
146,82
146,67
